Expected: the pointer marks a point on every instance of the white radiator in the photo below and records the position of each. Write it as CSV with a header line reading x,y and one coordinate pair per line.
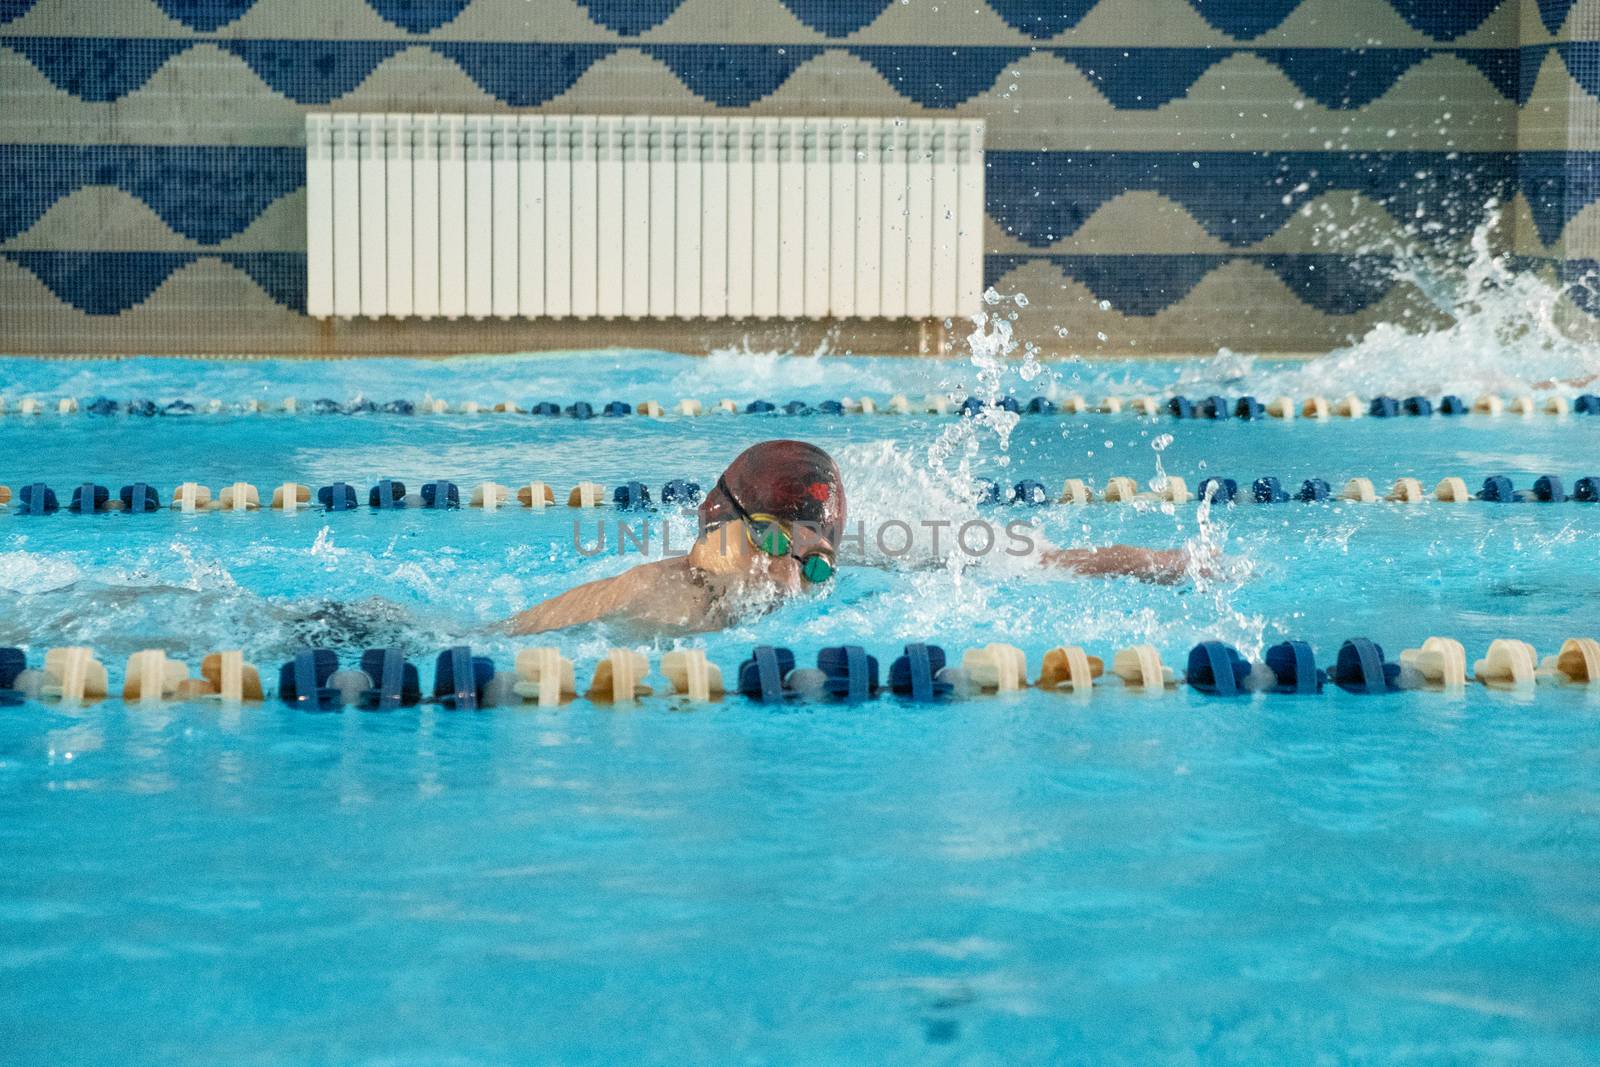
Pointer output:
x,y
530,216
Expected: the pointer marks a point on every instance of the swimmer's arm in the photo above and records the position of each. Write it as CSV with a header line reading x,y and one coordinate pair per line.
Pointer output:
x,y
1576,383
593,601
1164,567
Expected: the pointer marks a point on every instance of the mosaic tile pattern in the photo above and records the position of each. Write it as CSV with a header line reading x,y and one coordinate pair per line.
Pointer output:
x,y
1177,173
528,74
1442,20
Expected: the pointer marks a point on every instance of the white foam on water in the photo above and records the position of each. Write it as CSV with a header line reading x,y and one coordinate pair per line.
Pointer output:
x,y
1502,333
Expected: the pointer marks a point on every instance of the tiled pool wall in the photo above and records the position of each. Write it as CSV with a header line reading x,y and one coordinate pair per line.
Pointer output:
x,y
1165,176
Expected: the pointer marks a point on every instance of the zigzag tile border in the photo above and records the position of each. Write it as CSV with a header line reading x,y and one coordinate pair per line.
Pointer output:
x,y
1136,285
110,283
530,74
1040,20
211,193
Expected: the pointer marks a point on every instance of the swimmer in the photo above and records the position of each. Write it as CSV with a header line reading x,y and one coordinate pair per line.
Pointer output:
x,y
770,529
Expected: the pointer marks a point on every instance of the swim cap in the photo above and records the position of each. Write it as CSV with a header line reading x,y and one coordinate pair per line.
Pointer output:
x,y
789,480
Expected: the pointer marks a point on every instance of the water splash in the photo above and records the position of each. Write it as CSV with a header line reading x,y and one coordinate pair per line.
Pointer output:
x,y
1493,328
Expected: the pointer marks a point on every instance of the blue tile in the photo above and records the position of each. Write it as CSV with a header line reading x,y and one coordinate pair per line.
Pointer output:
x,y
838,18
1244,19
418,16
1553,13
732,75
1344,78
15,9
205,15
1445,20
281,275
102,283
207,194
97,69
938,77
523,75
312,72
1042,19
630,17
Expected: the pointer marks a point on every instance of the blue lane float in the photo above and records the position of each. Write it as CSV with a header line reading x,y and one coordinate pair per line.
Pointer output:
x,y
1418,406
387,494
1249,409
1180,407
849,673
395,682
631,496
1294,668
1030,493
760,407
89,498
459,678
1587,404
1220,490
12,663
1454,405
761,677
139,498
441,496
1041,406
915,674
616,409
1586,490
1268,491
1215,407
340,496
1547,489
1383,407
1497,489
37,499
1361,668
681,492
1218,669
1313,491
303,681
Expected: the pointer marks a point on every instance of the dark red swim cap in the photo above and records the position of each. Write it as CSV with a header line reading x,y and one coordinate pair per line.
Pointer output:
x,y
789,480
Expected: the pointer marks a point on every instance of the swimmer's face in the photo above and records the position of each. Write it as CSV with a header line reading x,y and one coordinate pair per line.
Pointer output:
x,y
728,550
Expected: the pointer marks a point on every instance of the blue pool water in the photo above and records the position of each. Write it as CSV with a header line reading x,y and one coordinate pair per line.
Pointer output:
x,y
1032,878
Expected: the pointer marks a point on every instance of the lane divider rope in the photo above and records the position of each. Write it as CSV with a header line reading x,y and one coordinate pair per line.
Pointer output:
x,y
382,679
1212,408
389,494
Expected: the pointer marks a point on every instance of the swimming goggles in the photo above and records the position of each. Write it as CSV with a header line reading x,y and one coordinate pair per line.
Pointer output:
x,y
770,536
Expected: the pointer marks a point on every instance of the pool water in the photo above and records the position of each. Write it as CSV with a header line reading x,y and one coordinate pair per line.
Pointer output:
x,y
1407,878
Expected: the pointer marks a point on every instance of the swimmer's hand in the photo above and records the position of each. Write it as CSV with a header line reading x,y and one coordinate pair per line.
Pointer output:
x,y
1160,566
